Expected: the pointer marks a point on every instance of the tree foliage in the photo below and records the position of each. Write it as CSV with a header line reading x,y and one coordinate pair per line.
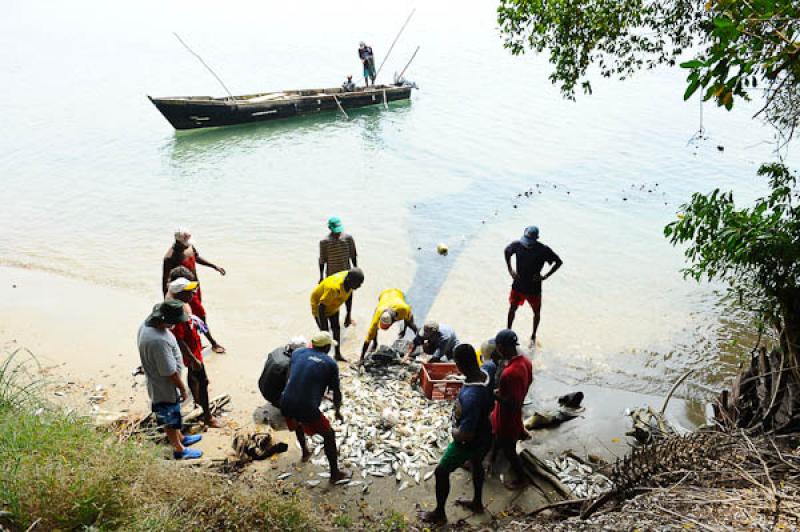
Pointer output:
x,y
755,249
736,47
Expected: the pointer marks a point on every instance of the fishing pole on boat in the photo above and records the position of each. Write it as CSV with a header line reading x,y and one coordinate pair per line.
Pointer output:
x,y
400,76
394,42
204,64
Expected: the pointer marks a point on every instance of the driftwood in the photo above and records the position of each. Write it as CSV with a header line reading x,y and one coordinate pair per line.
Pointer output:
x,y
538,470
145,426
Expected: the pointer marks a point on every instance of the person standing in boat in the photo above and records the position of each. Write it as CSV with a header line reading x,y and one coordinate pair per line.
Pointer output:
x,y
527,278
368,62
183,253
348,85
337,253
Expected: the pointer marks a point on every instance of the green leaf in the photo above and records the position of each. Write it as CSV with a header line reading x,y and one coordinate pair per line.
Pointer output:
x,y
694,63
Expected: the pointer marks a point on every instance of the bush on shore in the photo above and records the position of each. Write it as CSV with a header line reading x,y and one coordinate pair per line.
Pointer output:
x,y
61,472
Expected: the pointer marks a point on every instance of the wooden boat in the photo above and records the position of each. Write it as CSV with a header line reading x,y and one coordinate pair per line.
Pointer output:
x,y
192,112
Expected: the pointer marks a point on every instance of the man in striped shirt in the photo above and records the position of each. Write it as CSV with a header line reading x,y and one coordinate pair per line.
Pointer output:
x,y
337,253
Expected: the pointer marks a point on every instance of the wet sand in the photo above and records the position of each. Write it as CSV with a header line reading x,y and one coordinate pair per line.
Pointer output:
x,y
83,337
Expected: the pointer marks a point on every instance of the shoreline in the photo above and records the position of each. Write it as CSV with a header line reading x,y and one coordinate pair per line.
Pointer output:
x,y
83,333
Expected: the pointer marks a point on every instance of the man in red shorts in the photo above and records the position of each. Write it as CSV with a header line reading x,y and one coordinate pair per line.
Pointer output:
x,y
527,286
311,373
511,390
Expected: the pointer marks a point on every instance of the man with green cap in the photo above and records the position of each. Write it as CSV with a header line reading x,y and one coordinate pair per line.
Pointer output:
x,y
337,253
161,361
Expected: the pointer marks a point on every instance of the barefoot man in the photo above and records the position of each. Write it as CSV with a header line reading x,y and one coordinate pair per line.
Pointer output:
x,y
328,297
527,286
183,253
188,336
311,373
391,307
337,253
512,387
472,436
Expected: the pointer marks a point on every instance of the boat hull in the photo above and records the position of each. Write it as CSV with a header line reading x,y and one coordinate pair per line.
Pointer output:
x,y
202,112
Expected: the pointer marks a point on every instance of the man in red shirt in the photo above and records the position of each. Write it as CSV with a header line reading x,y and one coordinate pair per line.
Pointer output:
x,y
511,390
188,336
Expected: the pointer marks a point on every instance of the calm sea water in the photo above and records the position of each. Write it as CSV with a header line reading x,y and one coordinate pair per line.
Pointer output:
x,y
94,180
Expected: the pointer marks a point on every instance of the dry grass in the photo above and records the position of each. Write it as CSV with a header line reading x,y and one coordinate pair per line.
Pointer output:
x,y
60,472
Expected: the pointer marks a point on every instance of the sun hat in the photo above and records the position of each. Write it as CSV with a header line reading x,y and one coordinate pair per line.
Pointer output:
x,y
171,312
323,338
530,236
335,224
507,338
386,319
181,284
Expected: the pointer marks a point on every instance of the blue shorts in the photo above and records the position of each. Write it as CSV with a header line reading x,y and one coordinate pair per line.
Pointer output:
x,y
168,415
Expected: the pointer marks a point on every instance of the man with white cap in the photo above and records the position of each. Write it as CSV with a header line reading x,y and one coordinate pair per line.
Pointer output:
x,y
337,253
527,278
437,339
391,307
184,253
312,373
188,336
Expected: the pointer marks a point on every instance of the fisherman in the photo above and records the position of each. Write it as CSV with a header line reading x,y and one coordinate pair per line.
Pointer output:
x,y
337,253
471,436
349,86
368,62
311,373
161,361
328,297
276,370
391,307
188,336
527,285
183,253
198,310
512,388
437,340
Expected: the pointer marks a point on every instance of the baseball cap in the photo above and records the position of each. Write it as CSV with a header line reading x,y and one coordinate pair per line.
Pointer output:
x,y
335,224
386,319
181,284
298,342
530,236
506,337
323,338
171,311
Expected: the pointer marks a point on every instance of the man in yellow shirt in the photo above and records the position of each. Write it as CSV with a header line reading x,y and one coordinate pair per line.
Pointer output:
x,y
391,307
331,294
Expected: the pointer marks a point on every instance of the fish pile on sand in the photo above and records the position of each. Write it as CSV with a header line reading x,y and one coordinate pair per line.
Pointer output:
x,y
390,428
580,478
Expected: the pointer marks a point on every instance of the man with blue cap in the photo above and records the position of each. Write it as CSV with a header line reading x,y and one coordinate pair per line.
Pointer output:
x,y
337,253
527,285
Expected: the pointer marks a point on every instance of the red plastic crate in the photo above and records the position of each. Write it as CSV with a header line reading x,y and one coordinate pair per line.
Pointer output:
x,y
433,379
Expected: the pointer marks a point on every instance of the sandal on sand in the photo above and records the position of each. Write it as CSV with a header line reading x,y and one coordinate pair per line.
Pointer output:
x,y
191,439
187,454
218,349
